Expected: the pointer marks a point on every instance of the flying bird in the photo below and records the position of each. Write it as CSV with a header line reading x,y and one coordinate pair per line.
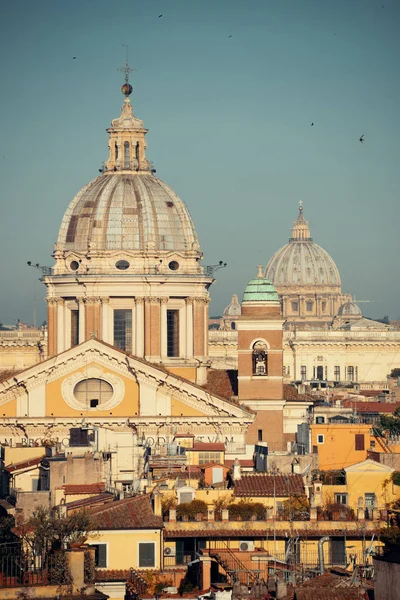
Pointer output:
x,y
312,125
159,16
229,36
362,139
74,58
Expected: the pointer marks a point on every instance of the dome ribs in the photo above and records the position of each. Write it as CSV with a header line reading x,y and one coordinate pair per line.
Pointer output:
x,y
130,212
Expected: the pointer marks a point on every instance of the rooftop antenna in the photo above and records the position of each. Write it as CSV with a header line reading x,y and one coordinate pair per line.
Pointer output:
x,y
45,270
210,270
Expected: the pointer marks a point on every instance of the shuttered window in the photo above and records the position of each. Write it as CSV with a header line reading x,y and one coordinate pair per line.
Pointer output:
x,y
147,554
360,445
100,555
88,390
172,332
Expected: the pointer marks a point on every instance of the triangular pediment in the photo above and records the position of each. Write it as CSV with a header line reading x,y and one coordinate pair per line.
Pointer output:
x,y
131,388
368,465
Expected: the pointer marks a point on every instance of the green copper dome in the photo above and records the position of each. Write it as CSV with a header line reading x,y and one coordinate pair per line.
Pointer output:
x,y
260,290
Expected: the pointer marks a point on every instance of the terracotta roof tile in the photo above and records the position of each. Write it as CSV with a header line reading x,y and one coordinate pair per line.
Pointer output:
x,y
130,513
206,447
372,407
244,462
84,488
222,383
24,464
90,501
266,484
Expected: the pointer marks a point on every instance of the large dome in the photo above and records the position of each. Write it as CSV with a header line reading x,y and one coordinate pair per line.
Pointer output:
x,y
132,211
302,262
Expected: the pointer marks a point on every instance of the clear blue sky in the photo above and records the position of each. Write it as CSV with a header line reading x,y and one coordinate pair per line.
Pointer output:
x,y
229,121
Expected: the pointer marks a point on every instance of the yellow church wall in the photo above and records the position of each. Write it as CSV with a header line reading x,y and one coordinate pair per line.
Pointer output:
x,y
57,407
9,409
123,546
185,372
16,455
178,408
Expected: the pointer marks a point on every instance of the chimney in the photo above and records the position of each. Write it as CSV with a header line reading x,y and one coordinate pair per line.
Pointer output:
x,y
236,470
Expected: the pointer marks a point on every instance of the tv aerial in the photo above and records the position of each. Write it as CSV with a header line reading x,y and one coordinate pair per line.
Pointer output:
x,y
45,270
210,269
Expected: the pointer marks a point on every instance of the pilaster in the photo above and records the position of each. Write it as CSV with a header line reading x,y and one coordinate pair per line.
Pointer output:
x,y
189,327
139,329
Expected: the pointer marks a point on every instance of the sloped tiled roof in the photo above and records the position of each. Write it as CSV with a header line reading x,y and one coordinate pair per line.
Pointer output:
x,y
130,513
24,464
90,501
372,407
222,383
84,488
244,462
206,447
266,484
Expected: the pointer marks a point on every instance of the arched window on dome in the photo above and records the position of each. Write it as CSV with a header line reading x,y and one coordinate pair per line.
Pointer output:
x,y
116,151
260,358
127,158
137,151
233,325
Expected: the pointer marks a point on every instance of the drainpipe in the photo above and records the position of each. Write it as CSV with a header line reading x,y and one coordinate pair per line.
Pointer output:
x,y
321,542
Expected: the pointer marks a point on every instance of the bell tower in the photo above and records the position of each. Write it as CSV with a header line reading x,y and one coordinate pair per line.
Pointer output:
x,y
260,361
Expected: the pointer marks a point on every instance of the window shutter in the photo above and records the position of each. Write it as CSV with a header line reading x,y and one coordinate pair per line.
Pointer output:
x,y
146,554
186,497
101,555
360,441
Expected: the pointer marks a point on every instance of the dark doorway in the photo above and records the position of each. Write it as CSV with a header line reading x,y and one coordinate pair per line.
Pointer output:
x,y
320,373
338,552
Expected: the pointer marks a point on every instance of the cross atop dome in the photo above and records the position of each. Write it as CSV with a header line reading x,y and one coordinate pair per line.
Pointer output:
x,y
300,230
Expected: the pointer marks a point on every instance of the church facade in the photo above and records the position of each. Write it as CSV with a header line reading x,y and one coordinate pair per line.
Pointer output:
x,y
128,354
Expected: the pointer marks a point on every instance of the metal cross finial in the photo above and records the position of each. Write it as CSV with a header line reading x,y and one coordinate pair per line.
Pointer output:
x,y
301,205
126,69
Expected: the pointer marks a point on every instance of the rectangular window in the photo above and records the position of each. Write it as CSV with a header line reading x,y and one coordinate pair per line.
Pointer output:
x,y
356,374
341,498
360,444
336,373
370,499
147,554
323,306
74,328
295,306
172,332
303,372
100,555
208,457
350,373
259,435
309,306
320,438
123,329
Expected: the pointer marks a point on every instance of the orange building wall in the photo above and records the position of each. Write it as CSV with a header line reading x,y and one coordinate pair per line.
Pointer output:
x,y
338,449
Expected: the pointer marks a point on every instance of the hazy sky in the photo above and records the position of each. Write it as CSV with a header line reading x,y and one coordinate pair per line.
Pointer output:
x,y
229,121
